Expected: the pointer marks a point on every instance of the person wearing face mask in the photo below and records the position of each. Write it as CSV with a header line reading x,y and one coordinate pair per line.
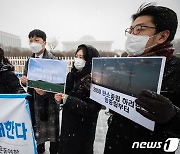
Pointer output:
x,y
80,113
152,30
43,108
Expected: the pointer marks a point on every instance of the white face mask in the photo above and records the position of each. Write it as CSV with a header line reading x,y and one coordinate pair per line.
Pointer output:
x,y
35,47
136,44
79,63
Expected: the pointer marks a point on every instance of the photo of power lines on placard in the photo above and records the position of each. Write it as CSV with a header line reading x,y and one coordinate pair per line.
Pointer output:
x,y
127,75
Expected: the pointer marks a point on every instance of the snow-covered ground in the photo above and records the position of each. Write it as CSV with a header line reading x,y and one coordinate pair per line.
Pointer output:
x,y
100,134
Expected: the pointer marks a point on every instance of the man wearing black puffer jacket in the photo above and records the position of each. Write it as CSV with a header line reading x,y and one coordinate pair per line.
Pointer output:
x,y
152,30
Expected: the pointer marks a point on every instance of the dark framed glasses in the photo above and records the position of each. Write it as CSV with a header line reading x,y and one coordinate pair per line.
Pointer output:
x,y
137,29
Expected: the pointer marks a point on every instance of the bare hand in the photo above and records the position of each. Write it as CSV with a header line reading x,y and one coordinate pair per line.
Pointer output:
x,y
39,91
58,97
24,79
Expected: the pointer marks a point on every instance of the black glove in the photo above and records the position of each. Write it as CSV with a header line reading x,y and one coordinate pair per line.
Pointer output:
x,y
155,106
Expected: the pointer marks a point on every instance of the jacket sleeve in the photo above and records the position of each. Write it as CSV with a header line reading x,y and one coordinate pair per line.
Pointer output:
x,y
14,84
172,128
85,108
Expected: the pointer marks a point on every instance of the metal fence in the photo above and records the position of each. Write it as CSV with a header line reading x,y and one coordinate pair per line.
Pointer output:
x,y
19,63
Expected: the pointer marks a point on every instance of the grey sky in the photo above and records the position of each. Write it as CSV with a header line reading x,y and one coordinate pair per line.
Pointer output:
x,y
68,20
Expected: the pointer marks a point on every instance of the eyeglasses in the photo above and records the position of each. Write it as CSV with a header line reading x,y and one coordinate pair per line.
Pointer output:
x,y
137,29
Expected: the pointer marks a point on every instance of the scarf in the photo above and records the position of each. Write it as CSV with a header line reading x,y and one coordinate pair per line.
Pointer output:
x,y
165,49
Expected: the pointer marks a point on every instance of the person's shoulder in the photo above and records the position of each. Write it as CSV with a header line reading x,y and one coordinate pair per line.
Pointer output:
x,y
32,56
48,55
174,63
176,59
9,75
69,74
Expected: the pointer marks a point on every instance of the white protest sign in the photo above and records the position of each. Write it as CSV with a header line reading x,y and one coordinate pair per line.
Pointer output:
x,y
116,82
47,74
16,133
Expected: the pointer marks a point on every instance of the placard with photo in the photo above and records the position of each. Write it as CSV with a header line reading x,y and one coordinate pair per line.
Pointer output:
x,y
116,83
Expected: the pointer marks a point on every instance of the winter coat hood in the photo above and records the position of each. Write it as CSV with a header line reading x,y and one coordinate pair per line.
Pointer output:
x,y
6,67
89,53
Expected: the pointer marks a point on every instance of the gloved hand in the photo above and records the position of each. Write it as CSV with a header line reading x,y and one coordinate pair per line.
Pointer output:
x,y
155,107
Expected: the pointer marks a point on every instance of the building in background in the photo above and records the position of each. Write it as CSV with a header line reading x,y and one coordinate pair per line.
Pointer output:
x,y
9,40
100,45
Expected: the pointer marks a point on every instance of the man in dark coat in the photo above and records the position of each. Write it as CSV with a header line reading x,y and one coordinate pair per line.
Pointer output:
x,y
9,82
44,110
80,113
152,30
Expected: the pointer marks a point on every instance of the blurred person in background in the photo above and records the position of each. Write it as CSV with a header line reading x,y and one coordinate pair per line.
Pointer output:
x,y
9,82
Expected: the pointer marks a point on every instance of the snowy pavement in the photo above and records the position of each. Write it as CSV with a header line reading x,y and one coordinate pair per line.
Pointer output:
x,y
100,134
